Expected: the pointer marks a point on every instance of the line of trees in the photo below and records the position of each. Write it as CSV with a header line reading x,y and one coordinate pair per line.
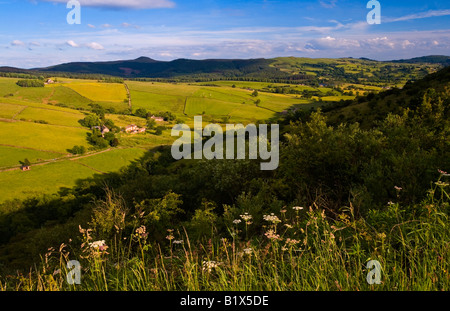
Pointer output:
x,y
30,83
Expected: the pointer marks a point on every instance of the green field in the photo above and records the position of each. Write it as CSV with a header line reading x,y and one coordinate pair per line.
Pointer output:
x,y
51,116
155,102
48,178
41,136
8,111
10,156
63,104
79,94
112,160
66,96
100,92
215,102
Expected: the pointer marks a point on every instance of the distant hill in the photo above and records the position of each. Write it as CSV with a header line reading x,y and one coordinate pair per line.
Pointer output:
x,y
311,71
375,107
150,68
432,59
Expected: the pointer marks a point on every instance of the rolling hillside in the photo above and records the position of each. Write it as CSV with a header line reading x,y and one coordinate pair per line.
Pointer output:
x,y
286,69
366,110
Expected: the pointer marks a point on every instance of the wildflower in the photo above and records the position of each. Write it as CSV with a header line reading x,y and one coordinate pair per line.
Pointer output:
x,y
442,172
237,221
291,242
398,188
288,226
141,232
247,218
99,245
178,242
210,265
248,251
271,218
170,237
272,235
441,184
391,203
297,208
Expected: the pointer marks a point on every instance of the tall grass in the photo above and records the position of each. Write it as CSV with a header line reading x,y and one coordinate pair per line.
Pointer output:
x,y
299,249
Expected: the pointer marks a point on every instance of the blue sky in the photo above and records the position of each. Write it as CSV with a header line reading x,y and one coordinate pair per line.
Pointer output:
x,y
35,33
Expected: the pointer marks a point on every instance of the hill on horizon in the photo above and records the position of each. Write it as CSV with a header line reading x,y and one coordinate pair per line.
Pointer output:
x,y
282,68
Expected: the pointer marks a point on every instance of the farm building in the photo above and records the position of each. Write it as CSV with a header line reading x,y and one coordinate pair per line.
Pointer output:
x,y
131,128
134,129
158,119
25,168
104,130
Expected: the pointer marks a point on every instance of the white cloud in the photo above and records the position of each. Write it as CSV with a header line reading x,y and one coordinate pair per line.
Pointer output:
x,y
328,43
431,13
128,25
17,43
72,44
95,46
406,44
90,26
126,4
328,4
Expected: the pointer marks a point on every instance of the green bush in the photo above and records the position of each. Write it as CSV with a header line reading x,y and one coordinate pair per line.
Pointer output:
x,y
30,83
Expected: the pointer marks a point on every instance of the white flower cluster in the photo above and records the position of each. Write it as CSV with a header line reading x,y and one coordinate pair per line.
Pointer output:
x,y
98,245
210,265
248,251
272,218
246,217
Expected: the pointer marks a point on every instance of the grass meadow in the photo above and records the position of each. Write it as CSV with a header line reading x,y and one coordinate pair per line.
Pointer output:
x,y
42,136
155,103
8,111
41,179
301,249
10,156
51,116
99,92
112,160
